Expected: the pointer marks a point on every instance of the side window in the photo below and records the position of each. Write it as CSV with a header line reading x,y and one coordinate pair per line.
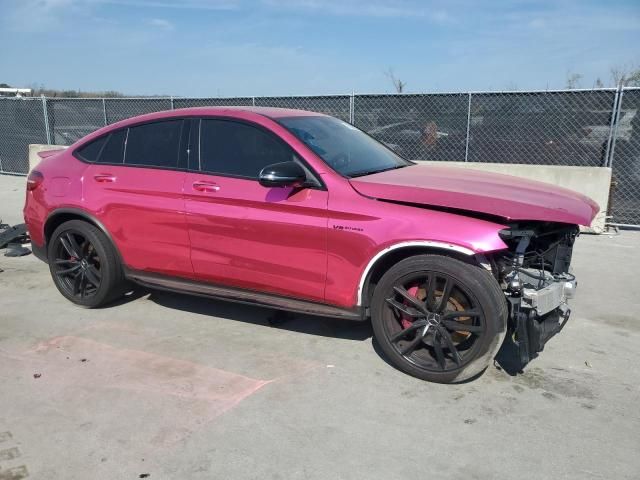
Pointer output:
x,y
154,144
91,152
113,151
233,148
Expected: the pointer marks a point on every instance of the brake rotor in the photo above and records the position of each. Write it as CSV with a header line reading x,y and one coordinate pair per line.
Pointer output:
x,y
452,305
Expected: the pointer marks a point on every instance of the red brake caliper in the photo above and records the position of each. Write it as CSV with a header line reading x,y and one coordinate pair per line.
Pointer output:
x,y
406,320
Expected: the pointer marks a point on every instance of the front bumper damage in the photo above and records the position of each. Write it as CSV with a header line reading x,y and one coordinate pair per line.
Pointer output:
x,y
539,314
538,286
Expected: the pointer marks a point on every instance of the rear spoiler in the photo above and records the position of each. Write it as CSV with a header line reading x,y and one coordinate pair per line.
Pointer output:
x,y
49,153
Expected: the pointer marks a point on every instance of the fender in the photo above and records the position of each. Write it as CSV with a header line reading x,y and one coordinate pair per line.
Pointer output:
x,y
395,246
79,212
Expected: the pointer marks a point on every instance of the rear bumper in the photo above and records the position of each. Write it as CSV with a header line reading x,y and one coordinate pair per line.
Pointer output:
x,y
40,251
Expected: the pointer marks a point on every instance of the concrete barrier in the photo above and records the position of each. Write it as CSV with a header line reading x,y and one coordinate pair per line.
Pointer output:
x,y
594,182
35,148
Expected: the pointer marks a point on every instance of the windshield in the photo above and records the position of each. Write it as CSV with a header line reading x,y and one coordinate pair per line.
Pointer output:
x,y
346,149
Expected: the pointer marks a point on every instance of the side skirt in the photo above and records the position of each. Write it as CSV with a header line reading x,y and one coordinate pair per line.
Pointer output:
x,y
181,285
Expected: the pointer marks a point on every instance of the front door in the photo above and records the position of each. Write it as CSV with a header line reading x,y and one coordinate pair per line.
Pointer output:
x,y
243,234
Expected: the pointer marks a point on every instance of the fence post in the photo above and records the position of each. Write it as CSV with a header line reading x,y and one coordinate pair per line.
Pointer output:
x,y
614,112
46,119
466,145
172,107
615,128
253,101
352,108
104,111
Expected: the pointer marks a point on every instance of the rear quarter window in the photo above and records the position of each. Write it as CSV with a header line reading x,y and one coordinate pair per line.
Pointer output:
x,y
113,151
92,151
106,149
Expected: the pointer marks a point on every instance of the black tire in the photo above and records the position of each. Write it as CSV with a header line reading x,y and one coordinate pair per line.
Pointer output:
x,y
447,347
80,255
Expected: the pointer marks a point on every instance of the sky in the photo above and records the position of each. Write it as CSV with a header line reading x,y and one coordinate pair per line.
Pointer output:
x,y
305,47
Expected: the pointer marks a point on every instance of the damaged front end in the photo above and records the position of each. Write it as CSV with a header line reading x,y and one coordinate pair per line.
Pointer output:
x,y
534,274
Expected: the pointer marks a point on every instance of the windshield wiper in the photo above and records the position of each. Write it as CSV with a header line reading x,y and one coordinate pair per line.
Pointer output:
x,y
362,173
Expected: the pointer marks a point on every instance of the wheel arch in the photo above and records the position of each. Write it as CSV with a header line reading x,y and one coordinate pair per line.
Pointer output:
x,y
61,215
393,254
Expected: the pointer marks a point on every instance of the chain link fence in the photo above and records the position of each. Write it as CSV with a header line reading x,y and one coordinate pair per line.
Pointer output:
x,y
418,127
625,160
337,105
21,122
542,128
575,127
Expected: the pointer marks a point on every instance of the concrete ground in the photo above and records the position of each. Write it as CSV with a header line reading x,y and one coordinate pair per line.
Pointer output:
x,y
178,387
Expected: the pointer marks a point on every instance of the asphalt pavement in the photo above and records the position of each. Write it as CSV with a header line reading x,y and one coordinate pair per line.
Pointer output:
x,y
177,387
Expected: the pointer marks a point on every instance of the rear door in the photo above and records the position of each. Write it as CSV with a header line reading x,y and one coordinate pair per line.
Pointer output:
x,y
135,184
243,234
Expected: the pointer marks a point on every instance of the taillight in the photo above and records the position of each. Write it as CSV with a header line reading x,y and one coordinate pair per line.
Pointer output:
x,y
34,180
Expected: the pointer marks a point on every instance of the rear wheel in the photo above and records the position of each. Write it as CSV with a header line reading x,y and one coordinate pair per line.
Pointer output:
x,y
84,265
439,319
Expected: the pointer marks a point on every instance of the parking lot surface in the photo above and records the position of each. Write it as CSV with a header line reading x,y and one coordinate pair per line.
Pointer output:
x,y
179,387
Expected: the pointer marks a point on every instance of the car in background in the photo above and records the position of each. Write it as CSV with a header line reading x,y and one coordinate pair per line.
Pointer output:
x,y
420,140
303,212
598,135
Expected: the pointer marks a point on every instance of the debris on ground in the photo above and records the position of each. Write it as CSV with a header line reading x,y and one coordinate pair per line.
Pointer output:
x,y
144,475
13,238
37,375
13,234
16,250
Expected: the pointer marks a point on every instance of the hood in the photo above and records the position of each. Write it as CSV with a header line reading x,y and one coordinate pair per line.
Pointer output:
x,y
506,196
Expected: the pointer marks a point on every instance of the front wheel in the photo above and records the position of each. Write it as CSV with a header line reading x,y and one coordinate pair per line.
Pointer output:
x,y
439,319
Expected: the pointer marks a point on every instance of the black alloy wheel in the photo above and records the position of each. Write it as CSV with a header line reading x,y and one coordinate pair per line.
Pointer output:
x,y
433,321
84,264
438,318
77,264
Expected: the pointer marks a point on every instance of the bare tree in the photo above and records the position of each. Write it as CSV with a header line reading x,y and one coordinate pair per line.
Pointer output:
x,y
598,83
398,84
626,75
573,80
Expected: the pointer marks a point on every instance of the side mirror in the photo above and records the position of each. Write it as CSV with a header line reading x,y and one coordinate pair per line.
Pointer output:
x,y
284,174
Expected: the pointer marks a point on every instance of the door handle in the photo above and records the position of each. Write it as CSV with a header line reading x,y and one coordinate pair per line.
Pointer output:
x,y
208,187
104,178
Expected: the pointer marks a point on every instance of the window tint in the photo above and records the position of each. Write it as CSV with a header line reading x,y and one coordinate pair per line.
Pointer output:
x,y
233,148
90,152
154,144
342,146
113,151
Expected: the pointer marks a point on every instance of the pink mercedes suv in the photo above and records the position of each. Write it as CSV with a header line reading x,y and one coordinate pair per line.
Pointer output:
x,y
302,212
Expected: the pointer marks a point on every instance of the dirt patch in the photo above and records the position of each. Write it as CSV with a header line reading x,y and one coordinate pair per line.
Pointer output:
x,y
626,322
555,384
17,473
